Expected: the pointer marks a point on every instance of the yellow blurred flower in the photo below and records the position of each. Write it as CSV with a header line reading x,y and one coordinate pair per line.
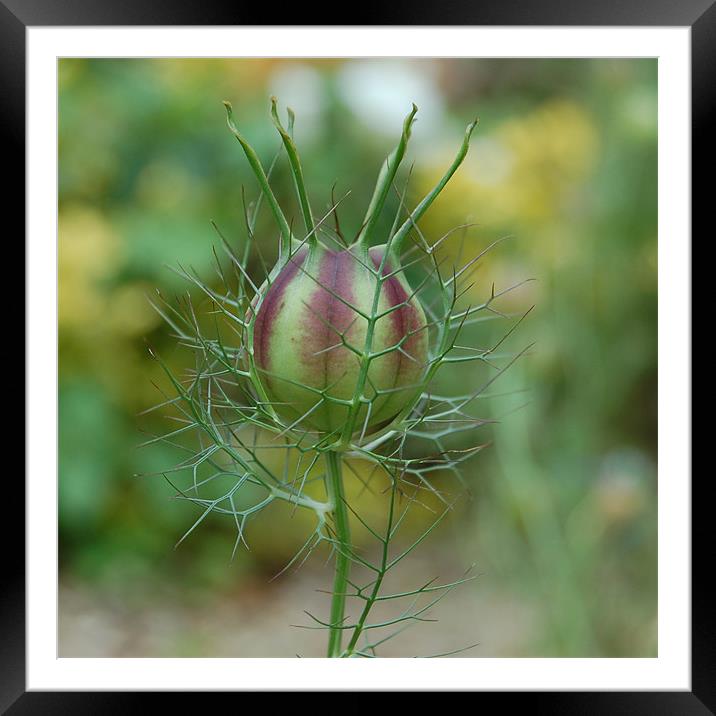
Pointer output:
x,y
88,252
129,311
100,321
525,179
522,174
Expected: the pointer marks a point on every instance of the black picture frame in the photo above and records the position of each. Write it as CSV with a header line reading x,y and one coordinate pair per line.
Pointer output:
x,y
699,15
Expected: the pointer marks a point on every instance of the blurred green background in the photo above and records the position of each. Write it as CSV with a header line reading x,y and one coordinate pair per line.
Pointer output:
x,y
562,517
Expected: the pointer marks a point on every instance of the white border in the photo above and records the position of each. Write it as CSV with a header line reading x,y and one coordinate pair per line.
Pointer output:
x,y
671,670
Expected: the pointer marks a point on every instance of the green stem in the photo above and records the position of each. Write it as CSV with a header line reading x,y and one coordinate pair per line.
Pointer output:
x,y
334,487
255,164
296,170
387,173
424,205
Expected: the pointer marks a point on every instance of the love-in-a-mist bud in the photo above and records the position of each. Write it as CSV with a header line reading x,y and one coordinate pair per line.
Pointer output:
x,y
333,342
337,340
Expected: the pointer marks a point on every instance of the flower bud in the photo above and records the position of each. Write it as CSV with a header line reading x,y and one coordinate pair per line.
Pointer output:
x,y
339,339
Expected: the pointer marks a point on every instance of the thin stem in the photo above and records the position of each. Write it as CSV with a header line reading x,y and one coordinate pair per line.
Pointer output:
x,y
296,170
334,487
384,183
424,205
379,581
258,170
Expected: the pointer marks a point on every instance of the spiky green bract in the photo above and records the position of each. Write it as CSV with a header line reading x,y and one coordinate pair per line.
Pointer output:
x,y
325,362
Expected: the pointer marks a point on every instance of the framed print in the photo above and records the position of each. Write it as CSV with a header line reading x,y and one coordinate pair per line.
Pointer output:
x,y
365,341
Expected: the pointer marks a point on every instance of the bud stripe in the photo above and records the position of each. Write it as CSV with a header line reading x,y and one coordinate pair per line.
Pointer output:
x,y
273,300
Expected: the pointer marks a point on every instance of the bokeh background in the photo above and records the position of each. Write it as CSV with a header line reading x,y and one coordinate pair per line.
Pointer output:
x,y
561,520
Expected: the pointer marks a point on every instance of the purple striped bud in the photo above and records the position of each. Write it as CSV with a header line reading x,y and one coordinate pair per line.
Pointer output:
x,y
321,359
337,341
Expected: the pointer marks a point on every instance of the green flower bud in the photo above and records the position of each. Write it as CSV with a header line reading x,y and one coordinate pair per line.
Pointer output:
x,y
339,339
